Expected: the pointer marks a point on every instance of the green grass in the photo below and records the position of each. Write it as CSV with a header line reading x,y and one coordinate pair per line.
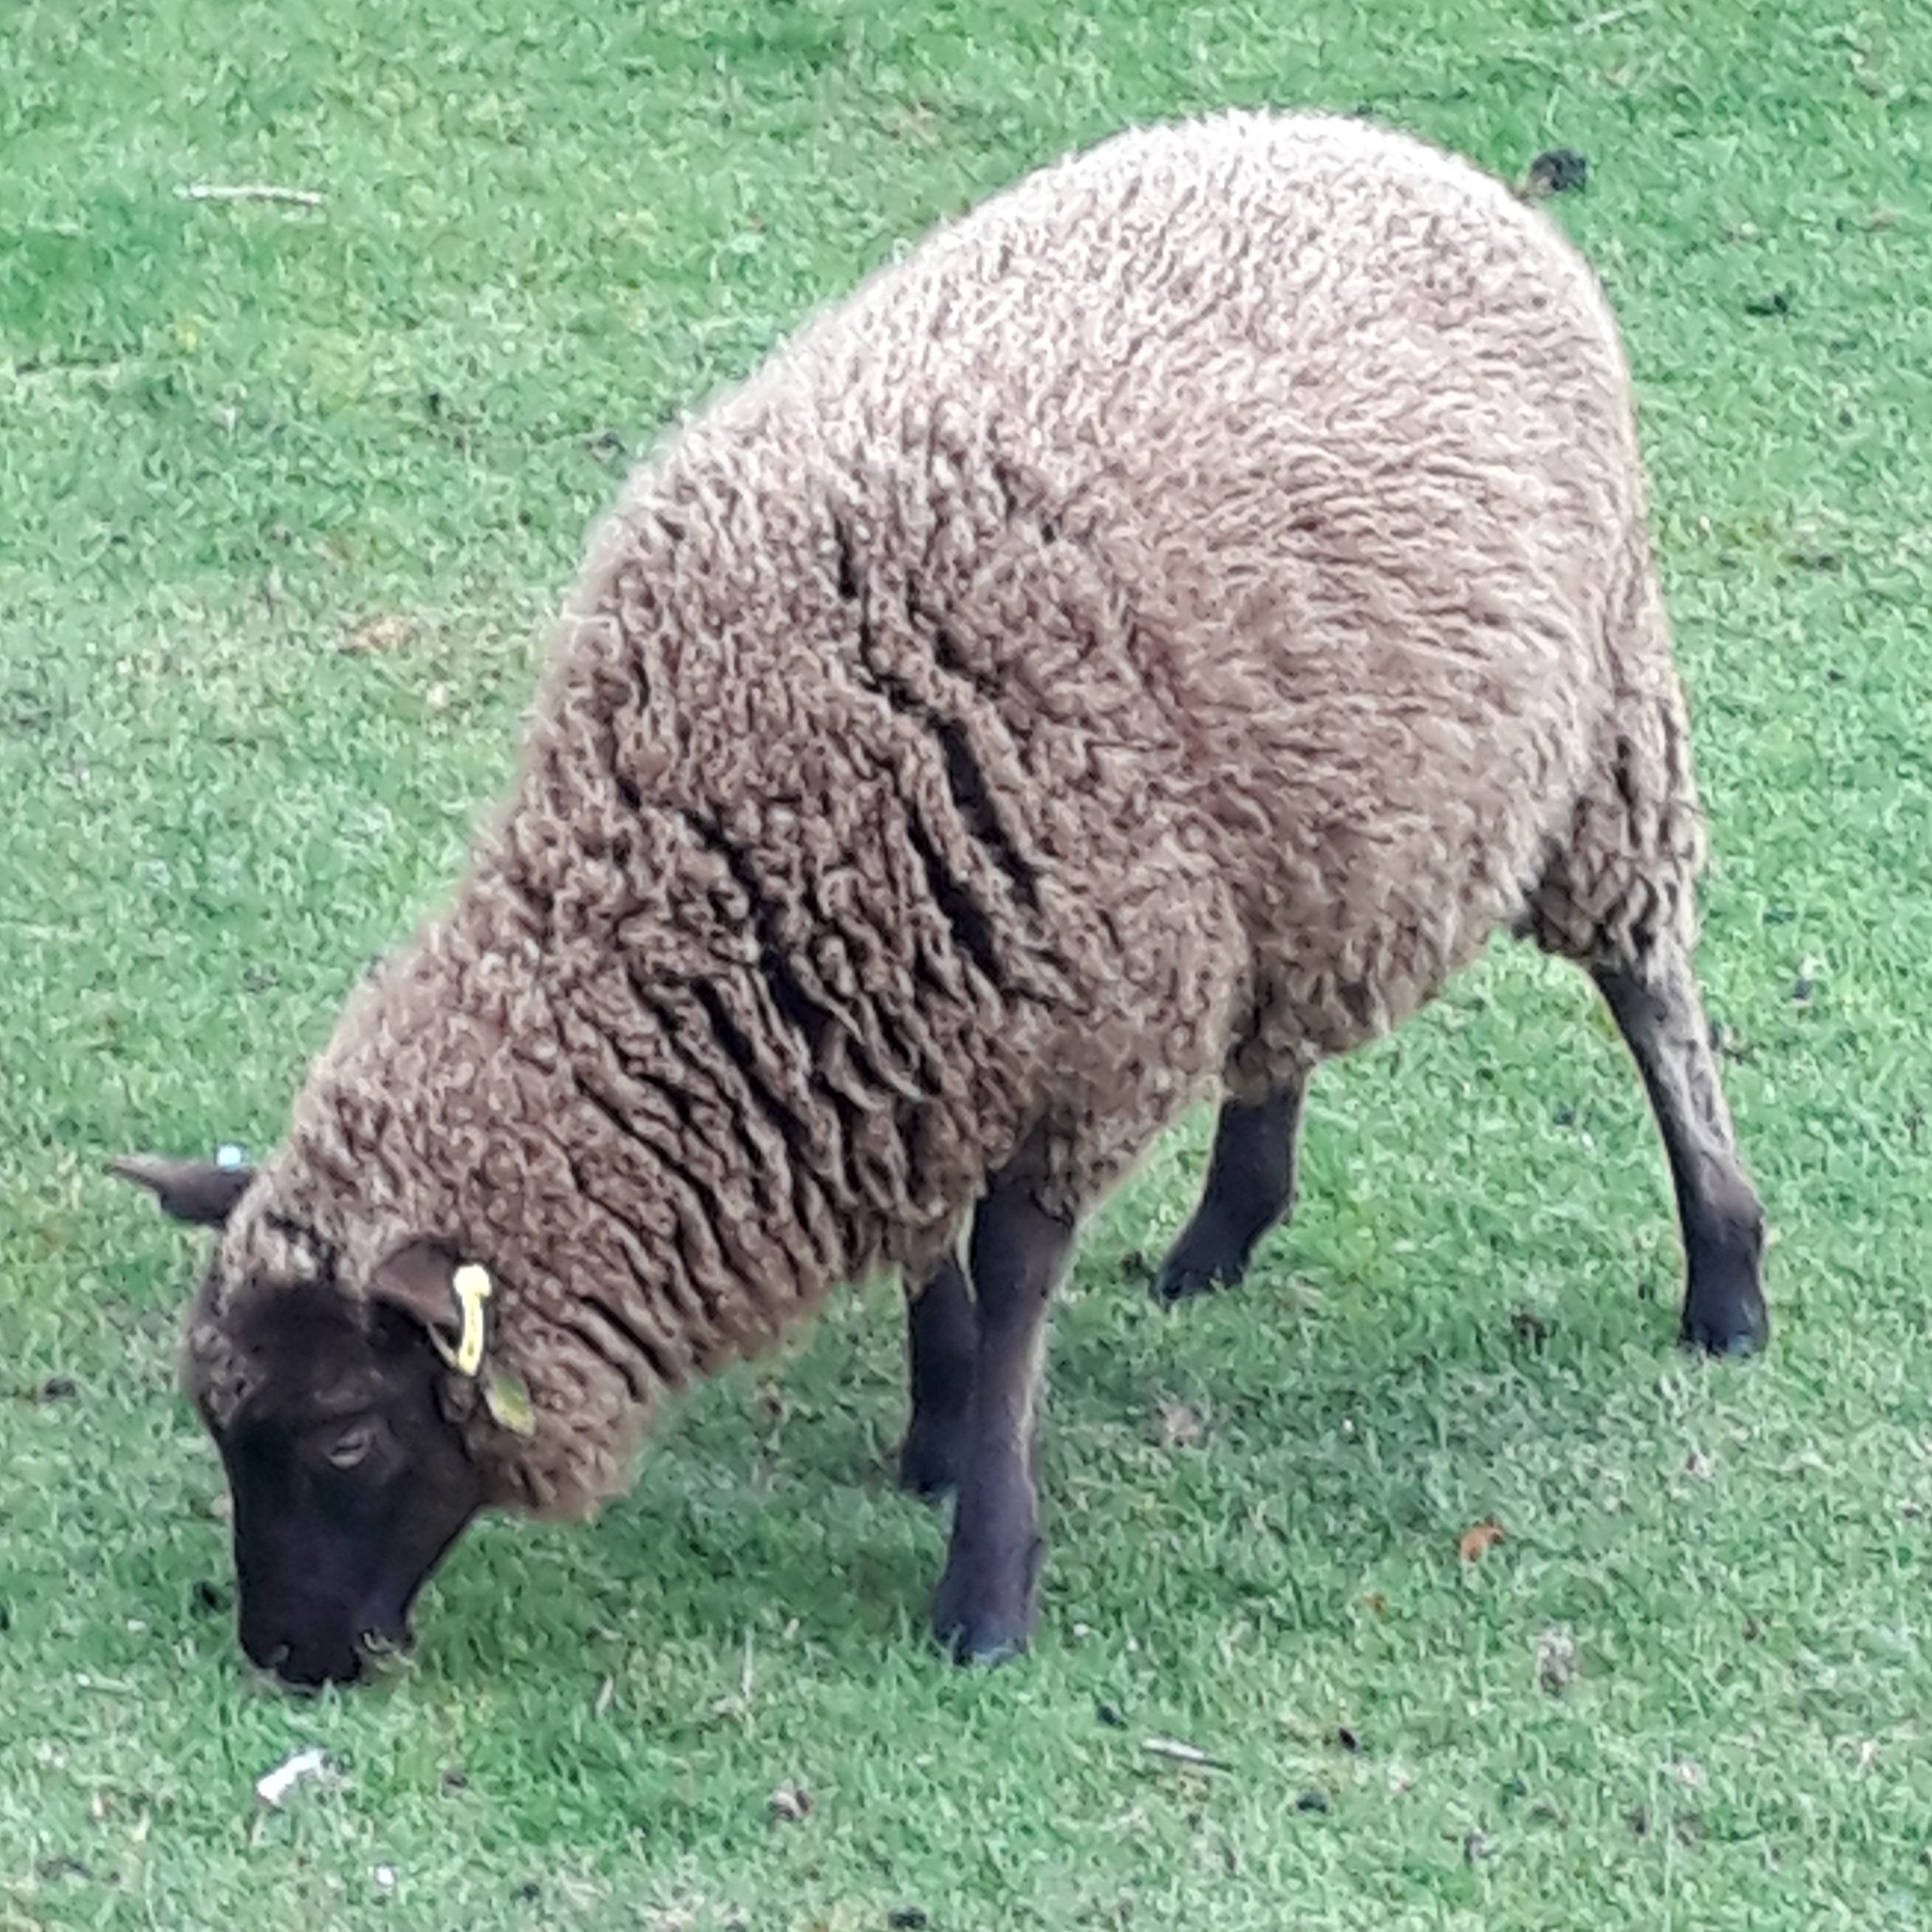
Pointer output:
x,y
234,439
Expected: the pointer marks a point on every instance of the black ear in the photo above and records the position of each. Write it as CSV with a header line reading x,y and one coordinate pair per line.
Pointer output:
x,y
199,1192
418,1278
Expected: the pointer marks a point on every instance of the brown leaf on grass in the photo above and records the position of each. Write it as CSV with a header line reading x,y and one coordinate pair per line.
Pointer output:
x,y
1477,1540
385,631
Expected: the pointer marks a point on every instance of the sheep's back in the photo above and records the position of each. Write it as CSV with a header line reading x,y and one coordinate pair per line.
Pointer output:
x,y
1272,476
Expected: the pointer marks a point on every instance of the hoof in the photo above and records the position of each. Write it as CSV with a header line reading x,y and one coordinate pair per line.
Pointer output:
x,y
978,1637
928,1465
1184,1275
1733,1329
984,1614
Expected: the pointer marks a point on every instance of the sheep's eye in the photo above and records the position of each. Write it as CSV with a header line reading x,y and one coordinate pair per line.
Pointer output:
x,y
352,1445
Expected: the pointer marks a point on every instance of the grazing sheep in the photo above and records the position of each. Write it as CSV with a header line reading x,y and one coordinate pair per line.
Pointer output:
x,y
1156,632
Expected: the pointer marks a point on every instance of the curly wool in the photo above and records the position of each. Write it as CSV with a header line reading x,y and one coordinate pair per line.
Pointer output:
x,y
1157,630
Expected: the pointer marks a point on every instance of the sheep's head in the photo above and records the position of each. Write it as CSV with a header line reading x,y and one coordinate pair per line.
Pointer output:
x,y
349,1480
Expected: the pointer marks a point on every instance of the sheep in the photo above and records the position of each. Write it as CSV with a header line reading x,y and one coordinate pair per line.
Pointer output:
x,y
1153,635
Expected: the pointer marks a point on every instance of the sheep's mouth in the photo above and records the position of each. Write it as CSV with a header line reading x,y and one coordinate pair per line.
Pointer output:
x,y
301,1673
383,1653
382,1647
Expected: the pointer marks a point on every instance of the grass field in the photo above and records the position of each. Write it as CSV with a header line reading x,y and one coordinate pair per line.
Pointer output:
x,y
285,497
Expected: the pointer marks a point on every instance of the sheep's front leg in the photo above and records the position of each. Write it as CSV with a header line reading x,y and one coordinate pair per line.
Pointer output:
x,y
1249,1189
1663,1022
942,1338
984,1608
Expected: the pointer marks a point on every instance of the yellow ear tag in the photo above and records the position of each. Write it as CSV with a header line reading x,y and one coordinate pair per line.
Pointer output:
x,y
508,1402
472,1284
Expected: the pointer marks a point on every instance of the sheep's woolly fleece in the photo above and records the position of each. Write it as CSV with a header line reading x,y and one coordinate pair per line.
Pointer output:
x,y
1157,630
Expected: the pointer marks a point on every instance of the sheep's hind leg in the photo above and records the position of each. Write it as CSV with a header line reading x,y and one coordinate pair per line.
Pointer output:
x,y
984,1608
1662,1020
942,1337
1249,1189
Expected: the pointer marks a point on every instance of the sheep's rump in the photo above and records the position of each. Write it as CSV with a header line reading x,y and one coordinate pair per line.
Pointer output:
x,y
1159,628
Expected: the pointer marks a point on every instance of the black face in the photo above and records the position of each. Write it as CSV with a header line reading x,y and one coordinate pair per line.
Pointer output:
x,y
349,1482
348,1485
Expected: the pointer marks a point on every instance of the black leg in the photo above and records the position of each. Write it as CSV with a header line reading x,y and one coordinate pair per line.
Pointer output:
x,y
942,1337
984,1608
1663,1023
1250,1188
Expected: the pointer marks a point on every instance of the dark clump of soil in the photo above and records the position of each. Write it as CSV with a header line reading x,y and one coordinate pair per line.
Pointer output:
x,y
1558,171
55,1388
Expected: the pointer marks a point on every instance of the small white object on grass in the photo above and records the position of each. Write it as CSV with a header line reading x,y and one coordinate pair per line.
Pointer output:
x,y
300,197
1556,1661
231,1154
1597,23
1181,1753
273,1787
